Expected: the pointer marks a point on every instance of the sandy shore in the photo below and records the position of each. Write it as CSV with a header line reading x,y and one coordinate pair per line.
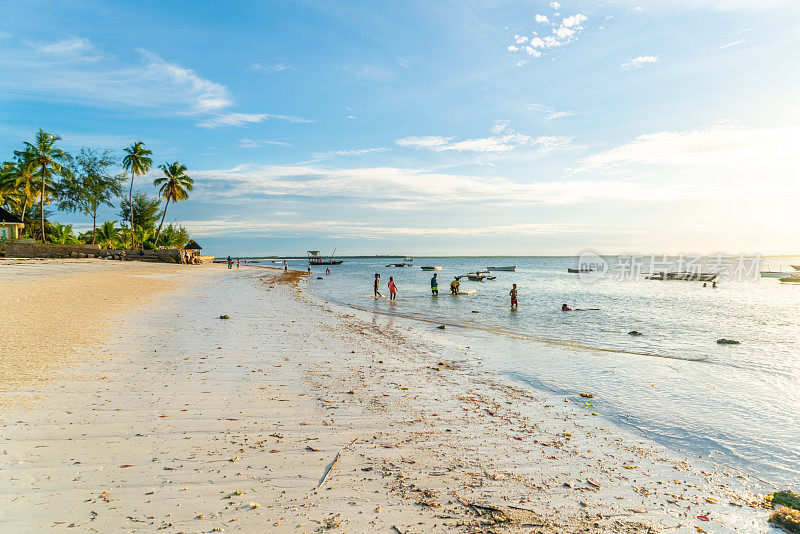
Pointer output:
x,y
177,420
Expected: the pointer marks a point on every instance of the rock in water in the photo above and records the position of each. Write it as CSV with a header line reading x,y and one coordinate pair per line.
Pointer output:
x,y
635,333
224,316
724,341
440,327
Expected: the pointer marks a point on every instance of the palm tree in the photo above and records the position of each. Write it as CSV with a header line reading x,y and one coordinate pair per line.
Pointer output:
x,y
138,163
174,186
108,235
62,234
47,160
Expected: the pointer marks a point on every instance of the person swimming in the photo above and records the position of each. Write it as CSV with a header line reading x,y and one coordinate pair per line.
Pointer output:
x,y
564,307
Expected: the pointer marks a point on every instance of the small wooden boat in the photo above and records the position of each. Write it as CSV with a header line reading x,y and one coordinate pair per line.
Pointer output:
x,y
398,265
683,276
315,259
776,274
509,268
475,277
796,267
794,279
432,268
580,270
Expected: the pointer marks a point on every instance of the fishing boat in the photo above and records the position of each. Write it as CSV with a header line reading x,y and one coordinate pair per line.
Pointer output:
x,y
398,265
408,260
585,270
432,268
683,276
509,268
315,259
475,277
796,267
793,279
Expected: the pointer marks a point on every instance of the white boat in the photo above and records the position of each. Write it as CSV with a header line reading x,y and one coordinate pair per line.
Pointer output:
x,y
775,274
507,268
432,268
793,279
796,267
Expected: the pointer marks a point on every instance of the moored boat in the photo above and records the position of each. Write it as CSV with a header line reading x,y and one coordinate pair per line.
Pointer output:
x,y
683,276
793,279
315,259
432,268
508,268
776,274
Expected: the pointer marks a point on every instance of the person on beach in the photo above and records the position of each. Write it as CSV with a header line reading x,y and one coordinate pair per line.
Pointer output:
x,y
230,263
375,287
454,285
285,266
434,285
237,263
392,289
327,270
513,295
564,307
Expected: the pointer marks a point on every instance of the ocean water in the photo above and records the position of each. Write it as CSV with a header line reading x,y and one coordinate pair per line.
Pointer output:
x,y
736,404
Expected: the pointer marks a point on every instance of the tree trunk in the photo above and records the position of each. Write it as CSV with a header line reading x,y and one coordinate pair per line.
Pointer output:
x,y
94,226
44,171
130,208
158,233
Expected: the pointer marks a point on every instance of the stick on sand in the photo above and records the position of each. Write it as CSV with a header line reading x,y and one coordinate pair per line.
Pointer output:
x,y
330,465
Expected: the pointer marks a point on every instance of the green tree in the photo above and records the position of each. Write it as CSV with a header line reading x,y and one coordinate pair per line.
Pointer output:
x,y
137,161
145,211
174,235
91,184
107,235
17,184
174,186
62,234
48,161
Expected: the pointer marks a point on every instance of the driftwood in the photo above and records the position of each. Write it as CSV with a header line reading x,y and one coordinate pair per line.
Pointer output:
x,y
330,465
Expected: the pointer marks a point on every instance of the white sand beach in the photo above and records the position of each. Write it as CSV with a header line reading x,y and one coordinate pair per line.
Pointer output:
x,y
127,404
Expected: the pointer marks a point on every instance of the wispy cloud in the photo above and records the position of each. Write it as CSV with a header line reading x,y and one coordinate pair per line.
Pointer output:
x,y
241,119
277,67
720,146
372,72
503,139
550,113
639,62
735,43
259,143
353,152
75,70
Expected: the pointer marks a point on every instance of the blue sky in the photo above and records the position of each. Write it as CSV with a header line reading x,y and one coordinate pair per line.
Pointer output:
x,y
464,127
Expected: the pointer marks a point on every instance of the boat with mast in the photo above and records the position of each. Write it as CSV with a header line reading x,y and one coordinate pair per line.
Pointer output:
x,y
315,259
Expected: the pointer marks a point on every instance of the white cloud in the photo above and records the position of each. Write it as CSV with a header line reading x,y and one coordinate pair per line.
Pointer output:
x,y
241,119
550,113
352,152
277,67
574,21
430,142
75,70
555,5
735,43
542,19
417,188
720,146
503,140
512,48
258,143
639,62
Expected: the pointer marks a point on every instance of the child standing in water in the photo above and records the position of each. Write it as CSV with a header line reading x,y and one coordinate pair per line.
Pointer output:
x,y
434,285
513,295
375,287
392,289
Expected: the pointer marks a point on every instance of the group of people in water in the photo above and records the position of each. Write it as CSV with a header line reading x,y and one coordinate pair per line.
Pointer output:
x,y
455,286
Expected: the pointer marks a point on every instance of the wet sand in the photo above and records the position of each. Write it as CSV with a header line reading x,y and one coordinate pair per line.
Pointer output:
x,y
181,421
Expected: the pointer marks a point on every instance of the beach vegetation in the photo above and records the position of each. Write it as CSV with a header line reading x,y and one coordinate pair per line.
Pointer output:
x,y
145,212
62,234
108,235
46,161
90,185
174,186
137,161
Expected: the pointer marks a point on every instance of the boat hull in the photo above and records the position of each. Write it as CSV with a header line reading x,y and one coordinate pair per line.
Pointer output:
x,y
431,268
509,268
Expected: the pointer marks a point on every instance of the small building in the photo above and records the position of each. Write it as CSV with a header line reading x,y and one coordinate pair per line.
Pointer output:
x,y
193,248
10,225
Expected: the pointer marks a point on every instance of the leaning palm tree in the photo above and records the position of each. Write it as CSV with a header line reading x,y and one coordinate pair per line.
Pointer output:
x,y
48,160
137,162
18,176
174,186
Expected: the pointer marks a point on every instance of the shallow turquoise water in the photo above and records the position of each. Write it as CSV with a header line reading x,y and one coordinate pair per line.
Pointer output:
x,y
735,403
